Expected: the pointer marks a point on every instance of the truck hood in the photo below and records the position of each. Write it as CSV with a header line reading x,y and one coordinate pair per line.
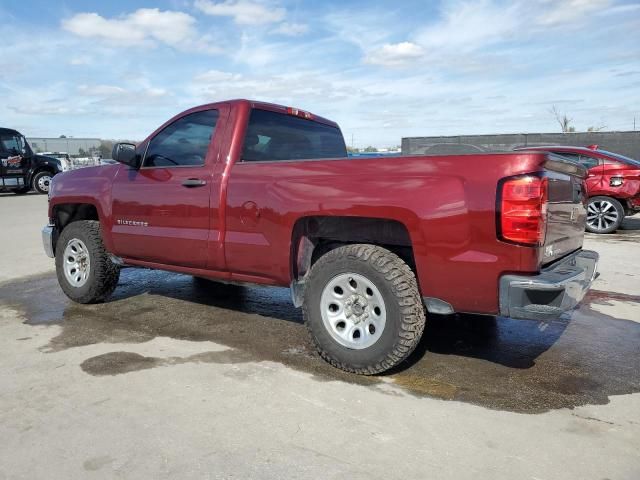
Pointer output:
x,y
45,160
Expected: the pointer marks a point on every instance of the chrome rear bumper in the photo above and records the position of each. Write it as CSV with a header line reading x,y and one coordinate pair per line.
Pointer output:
x,y
553,291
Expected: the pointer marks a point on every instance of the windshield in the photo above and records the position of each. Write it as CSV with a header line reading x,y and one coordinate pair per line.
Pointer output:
x,y
13,144
622,158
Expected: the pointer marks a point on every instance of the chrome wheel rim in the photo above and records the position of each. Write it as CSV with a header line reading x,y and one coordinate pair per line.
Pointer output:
x,y
44,182
601,215
353,310
77,263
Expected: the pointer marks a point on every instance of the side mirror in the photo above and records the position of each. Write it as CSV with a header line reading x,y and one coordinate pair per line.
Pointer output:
x,y
126,153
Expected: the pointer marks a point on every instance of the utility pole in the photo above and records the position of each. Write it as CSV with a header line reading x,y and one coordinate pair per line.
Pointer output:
x,y
634,127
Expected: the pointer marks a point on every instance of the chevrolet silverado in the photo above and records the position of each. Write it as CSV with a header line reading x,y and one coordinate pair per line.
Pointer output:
x,y
256,193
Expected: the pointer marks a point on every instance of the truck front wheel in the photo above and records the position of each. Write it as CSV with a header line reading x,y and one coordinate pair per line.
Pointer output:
x,y
85,272
41,182
363,309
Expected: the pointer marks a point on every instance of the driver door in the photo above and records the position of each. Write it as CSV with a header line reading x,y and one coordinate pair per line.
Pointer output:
x,y
161,211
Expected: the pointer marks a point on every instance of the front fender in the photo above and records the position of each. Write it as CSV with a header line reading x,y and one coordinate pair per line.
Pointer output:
x,y
91,186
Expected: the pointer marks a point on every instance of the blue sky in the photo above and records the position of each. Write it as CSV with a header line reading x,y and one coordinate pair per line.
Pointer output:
x,y
382,69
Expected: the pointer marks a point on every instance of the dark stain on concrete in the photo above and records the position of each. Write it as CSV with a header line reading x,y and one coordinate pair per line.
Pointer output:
x,y
116,363
505,364
96,463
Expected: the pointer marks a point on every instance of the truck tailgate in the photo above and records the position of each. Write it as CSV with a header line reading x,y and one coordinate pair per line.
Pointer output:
x,y
566,208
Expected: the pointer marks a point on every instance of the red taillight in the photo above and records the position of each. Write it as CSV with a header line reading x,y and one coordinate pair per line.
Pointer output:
x,y
523,210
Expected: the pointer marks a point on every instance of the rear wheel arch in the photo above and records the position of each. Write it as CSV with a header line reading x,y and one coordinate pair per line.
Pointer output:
x,y
315,236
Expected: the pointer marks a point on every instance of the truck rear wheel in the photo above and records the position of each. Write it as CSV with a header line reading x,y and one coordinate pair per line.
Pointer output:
x,y
85,272
363,309
604,215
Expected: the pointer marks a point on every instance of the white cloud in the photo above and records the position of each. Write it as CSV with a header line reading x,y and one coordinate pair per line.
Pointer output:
x,y
216,76
568,11
459,38
114,93
291,29
81,60
283,88
100,90
395,54
467,26
243,12
145,27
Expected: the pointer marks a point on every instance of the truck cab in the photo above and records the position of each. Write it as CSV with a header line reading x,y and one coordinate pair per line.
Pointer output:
x,y
21,170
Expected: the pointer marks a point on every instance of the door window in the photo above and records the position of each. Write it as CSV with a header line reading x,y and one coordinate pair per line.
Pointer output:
x,y
184,143
12,144
588,162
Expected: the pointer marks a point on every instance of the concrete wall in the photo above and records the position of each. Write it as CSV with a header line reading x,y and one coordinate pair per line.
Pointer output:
x,y
70,145
625,143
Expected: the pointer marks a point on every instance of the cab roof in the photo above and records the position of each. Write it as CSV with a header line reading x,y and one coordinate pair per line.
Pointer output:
x,y
274,107
9,131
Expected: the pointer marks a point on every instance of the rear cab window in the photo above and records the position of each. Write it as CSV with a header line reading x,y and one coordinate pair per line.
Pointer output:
x,y
273,136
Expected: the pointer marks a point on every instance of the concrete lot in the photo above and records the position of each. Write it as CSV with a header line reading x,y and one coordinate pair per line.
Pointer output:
x,y
176,378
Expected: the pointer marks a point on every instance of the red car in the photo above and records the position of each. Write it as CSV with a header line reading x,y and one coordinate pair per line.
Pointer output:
x,y
613,184
251,192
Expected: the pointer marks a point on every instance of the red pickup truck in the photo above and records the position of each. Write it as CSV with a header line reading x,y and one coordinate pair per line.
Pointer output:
x,y
613,184
250,192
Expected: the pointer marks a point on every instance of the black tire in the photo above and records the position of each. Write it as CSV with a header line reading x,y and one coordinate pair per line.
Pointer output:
x,y
607,224
38,185
103,273
397,285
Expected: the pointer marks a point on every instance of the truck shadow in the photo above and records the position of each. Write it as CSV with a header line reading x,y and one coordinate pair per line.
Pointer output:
x,y
498,363
631,223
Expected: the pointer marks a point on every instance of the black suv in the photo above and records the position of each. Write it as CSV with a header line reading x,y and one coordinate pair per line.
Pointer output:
x,y
21,169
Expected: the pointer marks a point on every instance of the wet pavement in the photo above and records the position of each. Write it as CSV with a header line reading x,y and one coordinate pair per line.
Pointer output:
x,y
502,364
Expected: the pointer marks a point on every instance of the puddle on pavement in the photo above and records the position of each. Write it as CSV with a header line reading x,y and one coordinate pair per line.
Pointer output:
x,y
116,363
505,364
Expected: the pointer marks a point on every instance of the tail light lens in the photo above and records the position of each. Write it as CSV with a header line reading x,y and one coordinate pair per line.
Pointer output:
x,y
523,210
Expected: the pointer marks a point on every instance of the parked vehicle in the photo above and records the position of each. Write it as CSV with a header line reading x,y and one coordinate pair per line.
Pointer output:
x,y
64,157
20,169
249,192
613,184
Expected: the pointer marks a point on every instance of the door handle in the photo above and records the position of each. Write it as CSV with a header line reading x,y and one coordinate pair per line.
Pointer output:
x,y
194,182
